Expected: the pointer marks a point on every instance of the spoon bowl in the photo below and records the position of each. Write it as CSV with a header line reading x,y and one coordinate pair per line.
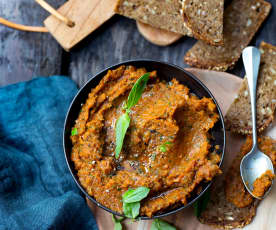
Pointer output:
x,y
254,163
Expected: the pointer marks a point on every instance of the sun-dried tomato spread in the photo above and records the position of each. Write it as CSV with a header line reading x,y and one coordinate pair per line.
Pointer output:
x,y
235,190
263,183
166,147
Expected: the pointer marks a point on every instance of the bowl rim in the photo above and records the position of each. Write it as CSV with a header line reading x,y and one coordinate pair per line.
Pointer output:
x,y
132,62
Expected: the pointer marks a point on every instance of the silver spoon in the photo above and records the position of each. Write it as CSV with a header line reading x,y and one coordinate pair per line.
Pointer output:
x,y
254,163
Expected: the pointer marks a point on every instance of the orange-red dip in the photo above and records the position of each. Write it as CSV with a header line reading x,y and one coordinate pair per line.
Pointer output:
x,y
166,113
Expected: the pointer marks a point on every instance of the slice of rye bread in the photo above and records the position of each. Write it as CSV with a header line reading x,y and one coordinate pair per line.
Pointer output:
x,y
220,213
224,215
238,116
242,19
205,19
196,18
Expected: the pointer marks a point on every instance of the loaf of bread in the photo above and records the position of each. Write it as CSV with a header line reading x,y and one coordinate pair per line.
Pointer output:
x,y
202,19
238,117
242,19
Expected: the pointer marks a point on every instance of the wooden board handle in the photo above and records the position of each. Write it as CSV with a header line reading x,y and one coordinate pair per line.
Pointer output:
x,y
55,13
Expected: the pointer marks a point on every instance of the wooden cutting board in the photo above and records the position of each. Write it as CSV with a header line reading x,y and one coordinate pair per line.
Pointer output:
x,y
157,36
87,16
224,87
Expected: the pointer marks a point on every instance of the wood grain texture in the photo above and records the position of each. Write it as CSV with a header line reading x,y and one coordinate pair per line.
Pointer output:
x,y
86,15
24,55
157,36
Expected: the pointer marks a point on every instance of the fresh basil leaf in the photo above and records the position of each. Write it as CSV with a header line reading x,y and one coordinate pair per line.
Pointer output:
x,y
159,224
122,125
201,204
123,122
74,132
120,218
117,224
135,195
137,90
131,210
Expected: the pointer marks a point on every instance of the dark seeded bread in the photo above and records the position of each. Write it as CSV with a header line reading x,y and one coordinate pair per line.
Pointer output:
x,y
238,117
205,18
221,211
242,19
224,215
195,18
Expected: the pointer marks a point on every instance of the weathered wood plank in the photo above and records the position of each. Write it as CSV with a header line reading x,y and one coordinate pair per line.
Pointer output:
x,y
119,40
24,55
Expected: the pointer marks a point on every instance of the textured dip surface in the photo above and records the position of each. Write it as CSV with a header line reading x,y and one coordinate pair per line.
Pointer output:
x,y
263,183
235,191
166,115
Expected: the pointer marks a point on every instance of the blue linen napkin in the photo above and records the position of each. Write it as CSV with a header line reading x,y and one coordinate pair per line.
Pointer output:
x,y
36,188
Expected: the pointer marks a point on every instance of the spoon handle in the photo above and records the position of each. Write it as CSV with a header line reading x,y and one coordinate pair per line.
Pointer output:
x,y
251,58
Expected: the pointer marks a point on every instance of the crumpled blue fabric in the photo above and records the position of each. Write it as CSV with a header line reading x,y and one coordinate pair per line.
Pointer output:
x,y
36,188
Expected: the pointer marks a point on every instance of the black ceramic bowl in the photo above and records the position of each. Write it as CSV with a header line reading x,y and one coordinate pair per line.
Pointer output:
x,y
167,72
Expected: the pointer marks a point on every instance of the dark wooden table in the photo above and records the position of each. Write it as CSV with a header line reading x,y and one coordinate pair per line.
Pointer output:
x,y
25,55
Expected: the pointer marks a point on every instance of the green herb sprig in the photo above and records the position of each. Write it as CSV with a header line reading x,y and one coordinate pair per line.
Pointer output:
x,y
123,121
159,224
201,204
117,222
131,201
74,132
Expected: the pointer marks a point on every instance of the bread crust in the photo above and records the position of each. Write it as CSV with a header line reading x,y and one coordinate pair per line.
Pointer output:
x,y
238,116
171,16
197,21
242,20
